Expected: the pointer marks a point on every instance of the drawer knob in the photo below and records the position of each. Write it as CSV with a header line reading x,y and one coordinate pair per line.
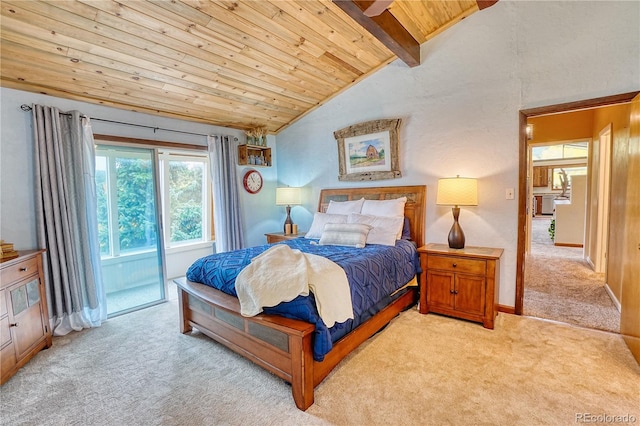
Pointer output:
x,y
23,269
455,264
13,325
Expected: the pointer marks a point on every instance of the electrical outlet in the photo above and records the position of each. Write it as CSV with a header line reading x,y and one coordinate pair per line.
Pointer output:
x,y
510,194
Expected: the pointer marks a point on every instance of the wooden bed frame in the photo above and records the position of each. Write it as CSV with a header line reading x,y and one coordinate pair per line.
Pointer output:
x,y
283,346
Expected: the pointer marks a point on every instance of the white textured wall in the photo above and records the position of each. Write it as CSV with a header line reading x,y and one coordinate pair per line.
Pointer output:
x,y
17,202
460,108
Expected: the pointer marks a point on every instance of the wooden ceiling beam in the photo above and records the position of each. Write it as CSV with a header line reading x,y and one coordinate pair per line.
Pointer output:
x,y
377,7
385,27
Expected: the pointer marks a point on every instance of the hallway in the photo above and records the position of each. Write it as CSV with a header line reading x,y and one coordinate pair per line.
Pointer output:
x,y
559,285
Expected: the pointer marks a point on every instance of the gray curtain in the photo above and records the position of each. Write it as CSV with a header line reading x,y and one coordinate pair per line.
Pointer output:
x,y
67,219
223,156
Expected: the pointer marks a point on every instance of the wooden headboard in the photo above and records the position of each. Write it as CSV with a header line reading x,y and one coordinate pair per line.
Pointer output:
x,y
414,209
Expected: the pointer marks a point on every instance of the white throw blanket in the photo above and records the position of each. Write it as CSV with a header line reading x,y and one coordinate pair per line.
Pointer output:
x,y
280,274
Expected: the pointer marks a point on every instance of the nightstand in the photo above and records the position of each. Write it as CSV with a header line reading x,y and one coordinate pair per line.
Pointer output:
x,y
462,283
275,237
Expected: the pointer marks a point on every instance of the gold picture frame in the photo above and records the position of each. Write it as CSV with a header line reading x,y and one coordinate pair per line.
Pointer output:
x,y
368,151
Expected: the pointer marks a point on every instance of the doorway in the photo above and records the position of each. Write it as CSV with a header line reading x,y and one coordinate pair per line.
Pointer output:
x,y
524,200
559,283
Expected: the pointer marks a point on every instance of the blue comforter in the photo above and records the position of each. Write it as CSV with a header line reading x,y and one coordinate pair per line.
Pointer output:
x,y
374,273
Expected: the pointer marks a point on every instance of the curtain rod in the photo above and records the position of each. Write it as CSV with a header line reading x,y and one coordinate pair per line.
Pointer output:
x,y
26,107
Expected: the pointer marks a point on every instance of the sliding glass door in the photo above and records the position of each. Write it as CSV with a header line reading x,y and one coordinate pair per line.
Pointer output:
x,y
128,228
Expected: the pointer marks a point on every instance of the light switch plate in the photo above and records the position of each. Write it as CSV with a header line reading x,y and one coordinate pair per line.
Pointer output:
x,y
510,194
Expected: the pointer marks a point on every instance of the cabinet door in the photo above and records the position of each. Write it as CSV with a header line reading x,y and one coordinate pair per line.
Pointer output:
x,y
440,289
5,329
5,332
470,294
8,362
540,176
7,351
27,315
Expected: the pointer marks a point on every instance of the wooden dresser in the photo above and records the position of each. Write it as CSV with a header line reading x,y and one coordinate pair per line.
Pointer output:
x,y
463,283
24,318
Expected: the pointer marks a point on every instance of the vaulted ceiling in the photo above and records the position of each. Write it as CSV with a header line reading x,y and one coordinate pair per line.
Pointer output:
x,y
238,64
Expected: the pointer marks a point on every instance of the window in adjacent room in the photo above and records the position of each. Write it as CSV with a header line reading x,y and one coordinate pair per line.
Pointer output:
x,y
570,171
560,151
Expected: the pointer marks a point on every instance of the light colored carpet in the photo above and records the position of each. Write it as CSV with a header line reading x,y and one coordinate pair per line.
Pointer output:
x,y
138,369
559,285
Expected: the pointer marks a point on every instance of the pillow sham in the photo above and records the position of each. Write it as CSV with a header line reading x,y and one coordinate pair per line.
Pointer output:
x,y
345,234
384,230
320,220
345,207
393,207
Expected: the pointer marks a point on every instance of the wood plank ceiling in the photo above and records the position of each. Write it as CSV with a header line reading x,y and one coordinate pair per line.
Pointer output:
x,y
238,64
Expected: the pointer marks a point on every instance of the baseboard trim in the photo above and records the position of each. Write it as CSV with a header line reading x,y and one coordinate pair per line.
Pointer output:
x,y
613,297
506,309
568,245
590,262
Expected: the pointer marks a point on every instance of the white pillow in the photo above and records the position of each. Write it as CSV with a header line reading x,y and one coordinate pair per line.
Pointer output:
x,y
320,220
393,207
384,230
345,207
345,234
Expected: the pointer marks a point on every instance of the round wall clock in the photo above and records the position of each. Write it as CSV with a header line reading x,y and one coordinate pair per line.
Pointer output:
x,y
252,181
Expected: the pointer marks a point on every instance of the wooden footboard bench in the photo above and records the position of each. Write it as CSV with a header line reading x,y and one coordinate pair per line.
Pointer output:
x,y
281,345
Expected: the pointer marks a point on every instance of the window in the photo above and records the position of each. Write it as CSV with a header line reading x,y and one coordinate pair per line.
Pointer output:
x,y
561,151
570,171
125,223
126,201
186,198
128,227
136,187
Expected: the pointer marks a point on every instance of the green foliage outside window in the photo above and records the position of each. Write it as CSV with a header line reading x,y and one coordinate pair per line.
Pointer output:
x,y
185,193
133,202
136,200
103,210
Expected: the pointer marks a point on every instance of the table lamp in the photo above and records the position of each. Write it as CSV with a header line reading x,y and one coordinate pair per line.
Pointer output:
x,y
286,197
457,192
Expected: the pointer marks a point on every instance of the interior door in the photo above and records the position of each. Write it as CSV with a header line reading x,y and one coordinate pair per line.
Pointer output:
x,y
603,172
530,203
630,303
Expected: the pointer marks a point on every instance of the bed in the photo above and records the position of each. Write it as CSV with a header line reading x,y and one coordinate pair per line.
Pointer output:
x,y
285,346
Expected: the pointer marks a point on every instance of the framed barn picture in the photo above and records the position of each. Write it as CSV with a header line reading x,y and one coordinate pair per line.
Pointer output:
x,y
368,151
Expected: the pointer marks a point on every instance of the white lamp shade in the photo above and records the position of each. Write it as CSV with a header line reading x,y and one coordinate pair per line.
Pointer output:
x,y
288,196
457,191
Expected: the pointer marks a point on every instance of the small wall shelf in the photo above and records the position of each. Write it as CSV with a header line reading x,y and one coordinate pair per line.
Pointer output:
x,y
245,152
